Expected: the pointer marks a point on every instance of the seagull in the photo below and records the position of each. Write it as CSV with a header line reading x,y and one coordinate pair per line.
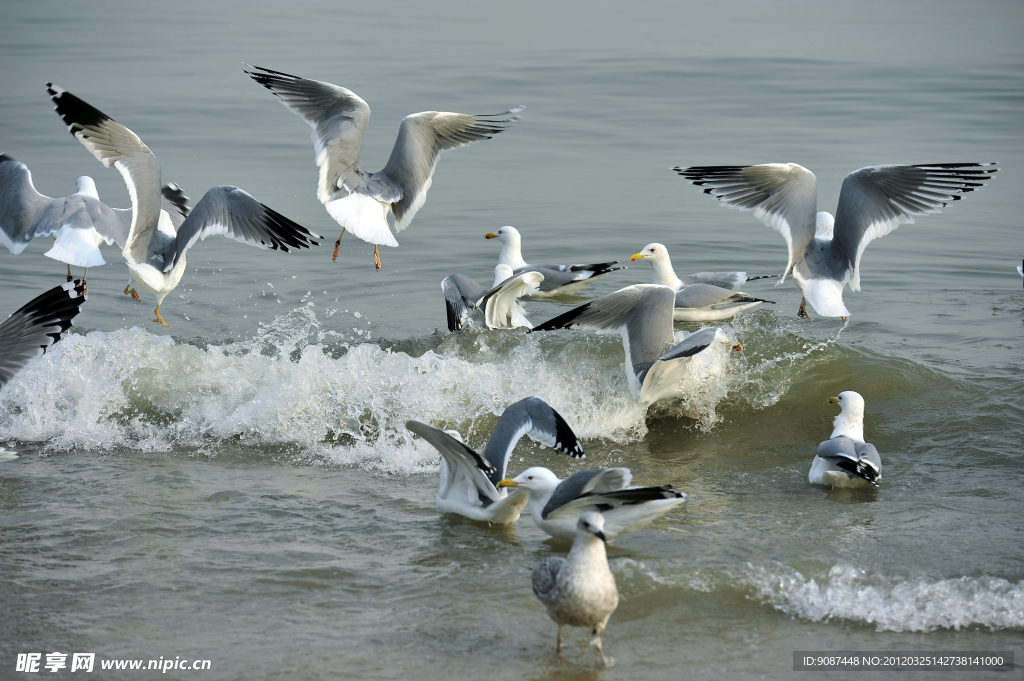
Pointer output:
x,y
642,315
559,280
161,234
468,479
700,297
580,590
33,328
873,202
357,200
500,305
79,223
556,505
845,460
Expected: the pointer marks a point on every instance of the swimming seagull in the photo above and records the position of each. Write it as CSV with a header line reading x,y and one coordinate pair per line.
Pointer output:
x,y
642,315
468,479
700,297
873,202
580,590
500,305
34,327
79,223
556,505
357,200
845,460
160,233
558,279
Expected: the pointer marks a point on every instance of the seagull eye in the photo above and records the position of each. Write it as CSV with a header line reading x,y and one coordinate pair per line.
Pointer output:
x,y
529,477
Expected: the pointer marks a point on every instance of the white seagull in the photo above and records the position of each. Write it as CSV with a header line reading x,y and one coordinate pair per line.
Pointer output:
x,y
37,325
845,460
559,280
357,200
580,590
79,223
468,480
500,305
556,505
162,231
873,202
656,366
700,297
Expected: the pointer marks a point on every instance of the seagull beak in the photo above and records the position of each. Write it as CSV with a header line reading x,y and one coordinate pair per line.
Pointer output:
x,y
508,482
490,235
833,400
636,256
600,535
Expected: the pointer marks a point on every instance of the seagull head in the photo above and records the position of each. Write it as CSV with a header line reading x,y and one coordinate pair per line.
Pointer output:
x,y
850,420
823,224
591,523
506,234
657,255
537,481
87,187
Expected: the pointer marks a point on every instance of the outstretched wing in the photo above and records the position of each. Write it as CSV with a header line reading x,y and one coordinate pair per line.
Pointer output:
x,y
534,417
783,196
21,206
338,117
33,328
236,214
460,459
113,144
501,304
421,138
876,200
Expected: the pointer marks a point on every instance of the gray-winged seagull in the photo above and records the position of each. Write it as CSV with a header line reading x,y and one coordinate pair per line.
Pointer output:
x,y
845,460
559,280
499,306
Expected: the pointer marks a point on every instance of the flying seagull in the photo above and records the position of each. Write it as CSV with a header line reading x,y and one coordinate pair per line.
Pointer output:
x,y
873,202
579,590
500,305
845,460
556,505
357,200
468,480
700,297
642,315
160,234
33,328
558,279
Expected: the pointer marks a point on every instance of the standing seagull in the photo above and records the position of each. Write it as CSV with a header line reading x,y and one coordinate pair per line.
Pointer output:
x,y
642,315
79,223
580,590
845,460
700,297
559,280
33,328
468,480
500,306
556,505
160,235
873,202
357,200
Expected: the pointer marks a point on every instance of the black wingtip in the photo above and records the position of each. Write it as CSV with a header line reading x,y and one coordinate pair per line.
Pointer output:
x,y
75,113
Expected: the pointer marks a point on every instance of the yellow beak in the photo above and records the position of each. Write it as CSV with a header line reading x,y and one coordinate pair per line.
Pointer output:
x,y
833,400
508,482
636,256
490,235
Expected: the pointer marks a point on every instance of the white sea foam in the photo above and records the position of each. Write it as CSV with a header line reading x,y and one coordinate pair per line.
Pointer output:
x,y
891,604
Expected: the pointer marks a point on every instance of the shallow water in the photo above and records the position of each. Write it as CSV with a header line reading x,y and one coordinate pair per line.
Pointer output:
x,y
241,487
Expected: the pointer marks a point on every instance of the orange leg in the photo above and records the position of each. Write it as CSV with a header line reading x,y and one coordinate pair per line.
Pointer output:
x,y
160,319
376,257
337,246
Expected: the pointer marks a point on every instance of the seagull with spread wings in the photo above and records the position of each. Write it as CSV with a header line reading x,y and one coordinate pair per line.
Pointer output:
x,y
162,229
360,201
825,252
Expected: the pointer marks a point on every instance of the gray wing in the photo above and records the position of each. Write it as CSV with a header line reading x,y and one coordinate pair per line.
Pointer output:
x,y
545,577
421,138
587,483
26,214
729,280
338,117
534,417
691,345
641,313
460,296
174,202
460,457
705,295
33,328
113,144
867,454
855,458
876,200
236,214
783,196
